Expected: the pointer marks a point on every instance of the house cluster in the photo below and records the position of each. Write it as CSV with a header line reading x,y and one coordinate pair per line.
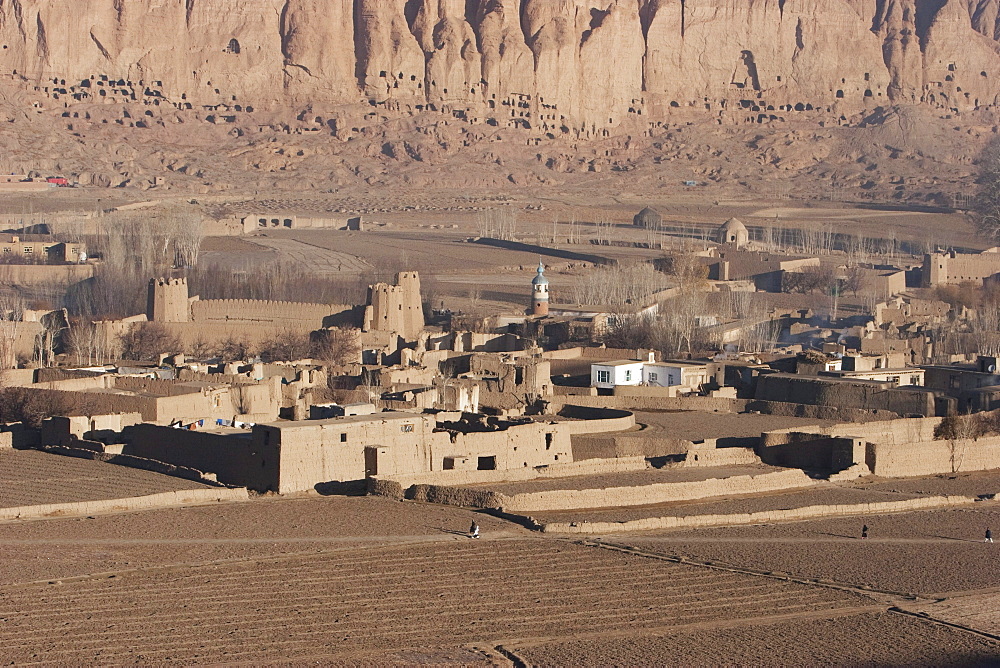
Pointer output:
x,y
410,398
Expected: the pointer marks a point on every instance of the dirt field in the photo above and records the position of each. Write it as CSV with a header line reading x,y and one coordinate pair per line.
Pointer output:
x,y
922,552
394,602
368,580
29,477
845,641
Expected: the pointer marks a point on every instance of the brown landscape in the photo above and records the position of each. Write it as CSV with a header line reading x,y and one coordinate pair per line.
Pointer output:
x,y
499,332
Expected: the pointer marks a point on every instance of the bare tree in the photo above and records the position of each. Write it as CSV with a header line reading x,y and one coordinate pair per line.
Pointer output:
x,y
11,315
336,345
147,341
987,203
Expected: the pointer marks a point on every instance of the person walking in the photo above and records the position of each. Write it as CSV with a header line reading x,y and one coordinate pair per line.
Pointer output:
x,y
474,530
989,536
864,531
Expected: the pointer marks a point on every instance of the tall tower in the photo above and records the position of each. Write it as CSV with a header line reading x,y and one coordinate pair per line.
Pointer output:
x,y
167,300
540,292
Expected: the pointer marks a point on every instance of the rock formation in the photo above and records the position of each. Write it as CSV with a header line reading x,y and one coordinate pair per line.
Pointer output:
x,y
558,66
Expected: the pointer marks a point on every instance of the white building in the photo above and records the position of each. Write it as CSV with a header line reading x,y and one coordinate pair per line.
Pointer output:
x,y
672,374
608,375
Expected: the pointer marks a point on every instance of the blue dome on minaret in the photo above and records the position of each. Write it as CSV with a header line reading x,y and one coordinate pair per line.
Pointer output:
x,y
539,278
540,292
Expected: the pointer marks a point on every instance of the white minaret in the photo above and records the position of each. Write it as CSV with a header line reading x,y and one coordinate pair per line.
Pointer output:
x,y
540,292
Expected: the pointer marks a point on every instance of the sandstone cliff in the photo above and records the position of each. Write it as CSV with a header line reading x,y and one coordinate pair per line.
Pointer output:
x,y
552,65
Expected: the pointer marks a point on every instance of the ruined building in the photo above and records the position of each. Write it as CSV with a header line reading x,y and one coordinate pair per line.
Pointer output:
x,y
396,308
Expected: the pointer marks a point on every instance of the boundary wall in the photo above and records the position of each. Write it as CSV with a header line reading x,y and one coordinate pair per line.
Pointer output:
x,y
764,517
712,404
585,467
642,495
564,499
129,504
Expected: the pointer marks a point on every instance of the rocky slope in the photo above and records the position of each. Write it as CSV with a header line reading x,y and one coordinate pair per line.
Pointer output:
x,y
569,65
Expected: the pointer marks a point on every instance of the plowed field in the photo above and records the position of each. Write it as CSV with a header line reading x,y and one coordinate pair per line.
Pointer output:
x,y
30,477
364,602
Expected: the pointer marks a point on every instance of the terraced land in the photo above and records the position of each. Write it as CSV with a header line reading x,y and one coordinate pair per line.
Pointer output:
x,y
30,477
361,604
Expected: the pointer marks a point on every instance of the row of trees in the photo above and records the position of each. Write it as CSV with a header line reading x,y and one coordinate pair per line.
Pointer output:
x,y
93,343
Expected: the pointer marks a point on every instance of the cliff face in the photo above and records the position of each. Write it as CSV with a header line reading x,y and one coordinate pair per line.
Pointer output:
x,y
553,65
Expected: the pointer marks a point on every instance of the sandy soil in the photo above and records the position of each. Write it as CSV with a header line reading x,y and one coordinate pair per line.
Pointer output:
x,y
30,477
631,478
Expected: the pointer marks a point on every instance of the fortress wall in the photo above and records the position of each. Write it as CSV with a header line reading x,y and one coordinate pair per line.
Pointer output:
x,y
658,493
253,311
131,504
770,516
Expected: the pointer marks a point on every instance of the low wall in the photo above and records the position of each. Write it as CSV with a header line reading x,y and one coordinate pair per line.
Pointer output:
x,y
131,504
700,455
586,467
707,404
764,517
35,274
600,447
900,459
642,495
594,420
819,412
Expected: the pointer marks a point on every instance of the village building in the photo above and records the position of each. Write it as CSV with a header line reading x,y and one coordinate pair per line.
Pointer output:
x,y
295,456
946,268
733,233
609,375
31,248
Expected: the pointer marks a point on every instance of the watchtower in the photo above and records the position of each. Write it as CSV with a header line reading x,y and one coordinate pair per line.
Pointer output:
x,y
167,300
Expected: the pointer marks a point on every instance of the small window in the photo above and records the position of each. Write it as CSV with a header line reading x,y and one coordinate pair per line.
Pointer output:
x,y
603,376
6,249
407,428
343,438
652,377
548,442
28,250
487,463
628,374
